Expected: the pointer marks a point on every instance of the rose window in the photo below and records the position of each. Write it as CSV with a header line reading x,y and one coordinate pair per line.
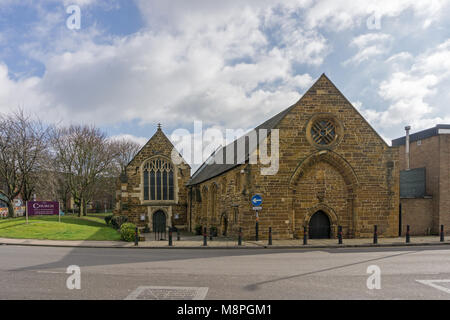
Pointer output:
x,y
323,132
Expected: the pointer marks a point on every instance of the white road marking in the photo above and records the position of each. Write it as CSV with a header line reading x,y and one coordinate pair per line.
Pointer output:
x,y
168,293
40,271
432,283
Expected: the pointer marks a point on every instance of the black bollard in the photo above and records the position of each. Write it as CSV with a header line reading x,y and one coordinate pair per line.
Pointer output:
x,y
305,236
375,234
205,238
442,233
170,236
407,234
136,237
240,237
270,236
339,234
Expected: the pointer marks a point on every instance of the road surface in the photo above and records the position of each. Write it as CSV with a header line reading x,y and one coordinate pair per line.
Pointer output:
x,y
406,273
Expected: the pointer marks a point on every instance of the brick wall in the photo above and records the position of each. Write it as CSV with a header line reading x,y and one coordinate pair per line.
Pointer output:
x,y
418,214
433,153
444,184
423,154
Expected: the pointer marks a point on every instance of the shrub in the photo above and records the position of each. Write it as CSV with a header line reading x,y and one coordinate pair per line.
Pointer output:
x,y
117,221
127,231
198,229
108,219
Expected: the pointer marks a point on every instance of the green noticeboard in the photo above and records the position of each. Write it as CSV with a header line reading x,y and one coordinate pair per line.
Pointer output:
x,y
412,183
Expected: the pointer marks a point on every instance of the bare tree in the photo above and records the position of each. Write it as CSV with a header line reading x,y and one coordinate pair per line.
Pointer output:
x,y
83,154
23,142
125,151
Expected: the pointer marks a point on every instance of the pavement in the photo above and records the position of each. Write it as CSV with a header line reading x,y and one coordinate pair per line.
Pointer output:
x,y
196,242
417,272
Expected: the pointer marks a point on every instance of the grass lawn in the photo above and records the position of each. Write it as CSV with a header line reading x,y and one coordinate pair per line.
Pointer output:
x,y
48,227
99,214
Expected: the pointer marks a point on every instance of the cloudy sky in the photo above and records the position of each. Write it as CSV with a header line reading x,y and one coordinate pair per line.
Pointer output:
x,y
231,64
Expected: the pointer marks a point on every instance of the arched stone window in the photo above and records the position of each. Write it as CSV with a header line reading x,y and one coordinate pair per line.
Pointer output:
x,y
204,210
213,192
224,185
159,182
237,181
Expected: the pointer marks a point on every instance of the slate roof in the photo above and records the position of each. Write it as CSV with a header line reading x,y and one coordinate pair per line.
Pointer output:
x,y
207,171
424,134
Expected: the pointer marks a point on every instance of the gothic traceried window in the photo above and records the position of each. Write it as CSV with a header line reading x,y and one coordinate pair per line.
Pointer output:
x,y
158,180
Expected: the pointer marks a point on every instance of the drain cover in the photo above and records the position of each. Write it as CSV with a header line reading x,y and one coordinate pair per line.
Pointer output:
x,y
168,293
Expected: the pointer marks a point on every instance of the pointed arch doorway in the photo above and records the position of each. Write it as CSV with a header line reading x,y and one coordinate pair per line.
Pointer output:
x,y
159,225
224,224
319,226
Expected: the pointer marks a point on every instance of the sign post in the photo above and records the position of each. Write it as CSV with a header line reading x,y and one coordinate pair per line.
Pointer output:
x,y
42,208
26,212
256,202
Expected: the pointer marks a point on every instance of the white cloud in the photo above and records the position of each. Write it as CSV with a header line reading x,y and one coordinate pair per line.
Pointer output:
x,y
208,67
125,136
345,14
228,63
20,93
369,46
412,92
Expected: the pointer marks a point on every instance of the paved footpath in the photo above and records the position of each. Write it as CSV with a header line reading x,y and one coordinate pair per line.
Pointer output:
x,y
228,243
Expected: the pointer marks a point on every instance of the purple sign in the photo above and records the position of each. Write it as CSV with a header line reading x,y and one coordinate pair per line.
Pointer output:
x,y
37,208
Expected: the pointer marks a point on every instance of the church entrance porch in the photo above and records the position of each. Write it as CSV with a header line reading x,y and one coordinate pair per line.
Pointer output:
x,y
319,226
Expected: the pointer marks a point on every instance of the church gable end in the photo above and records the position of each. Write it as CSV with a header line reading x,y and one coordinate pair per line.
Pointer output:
x,y
154,192
332,161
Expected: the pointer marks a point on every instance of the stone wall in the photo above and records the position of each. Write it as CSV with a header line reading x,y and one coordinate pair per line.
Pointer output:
x,y
221,202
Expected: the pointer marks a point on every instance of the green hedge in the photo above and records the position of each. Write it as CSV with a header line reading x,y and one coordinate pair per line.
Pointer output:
x,y
108,219
127,231
117,221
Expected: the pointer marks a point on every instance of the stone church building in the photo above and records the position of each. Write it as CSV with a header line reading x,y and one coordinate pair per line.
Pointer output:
x,y
334,170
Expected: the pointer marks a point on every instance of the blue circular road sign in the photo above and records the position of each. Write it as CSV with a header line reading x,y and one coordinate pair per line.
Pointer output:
x,y
256,200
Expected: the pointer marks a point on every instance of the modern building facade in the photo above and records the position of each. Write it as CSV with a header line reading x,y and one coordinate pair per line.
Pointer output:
x,y
425,180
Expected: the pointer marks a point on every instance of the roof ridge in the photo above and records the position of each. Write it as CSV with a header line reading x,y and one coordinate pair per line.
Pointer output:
x,y
269,124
